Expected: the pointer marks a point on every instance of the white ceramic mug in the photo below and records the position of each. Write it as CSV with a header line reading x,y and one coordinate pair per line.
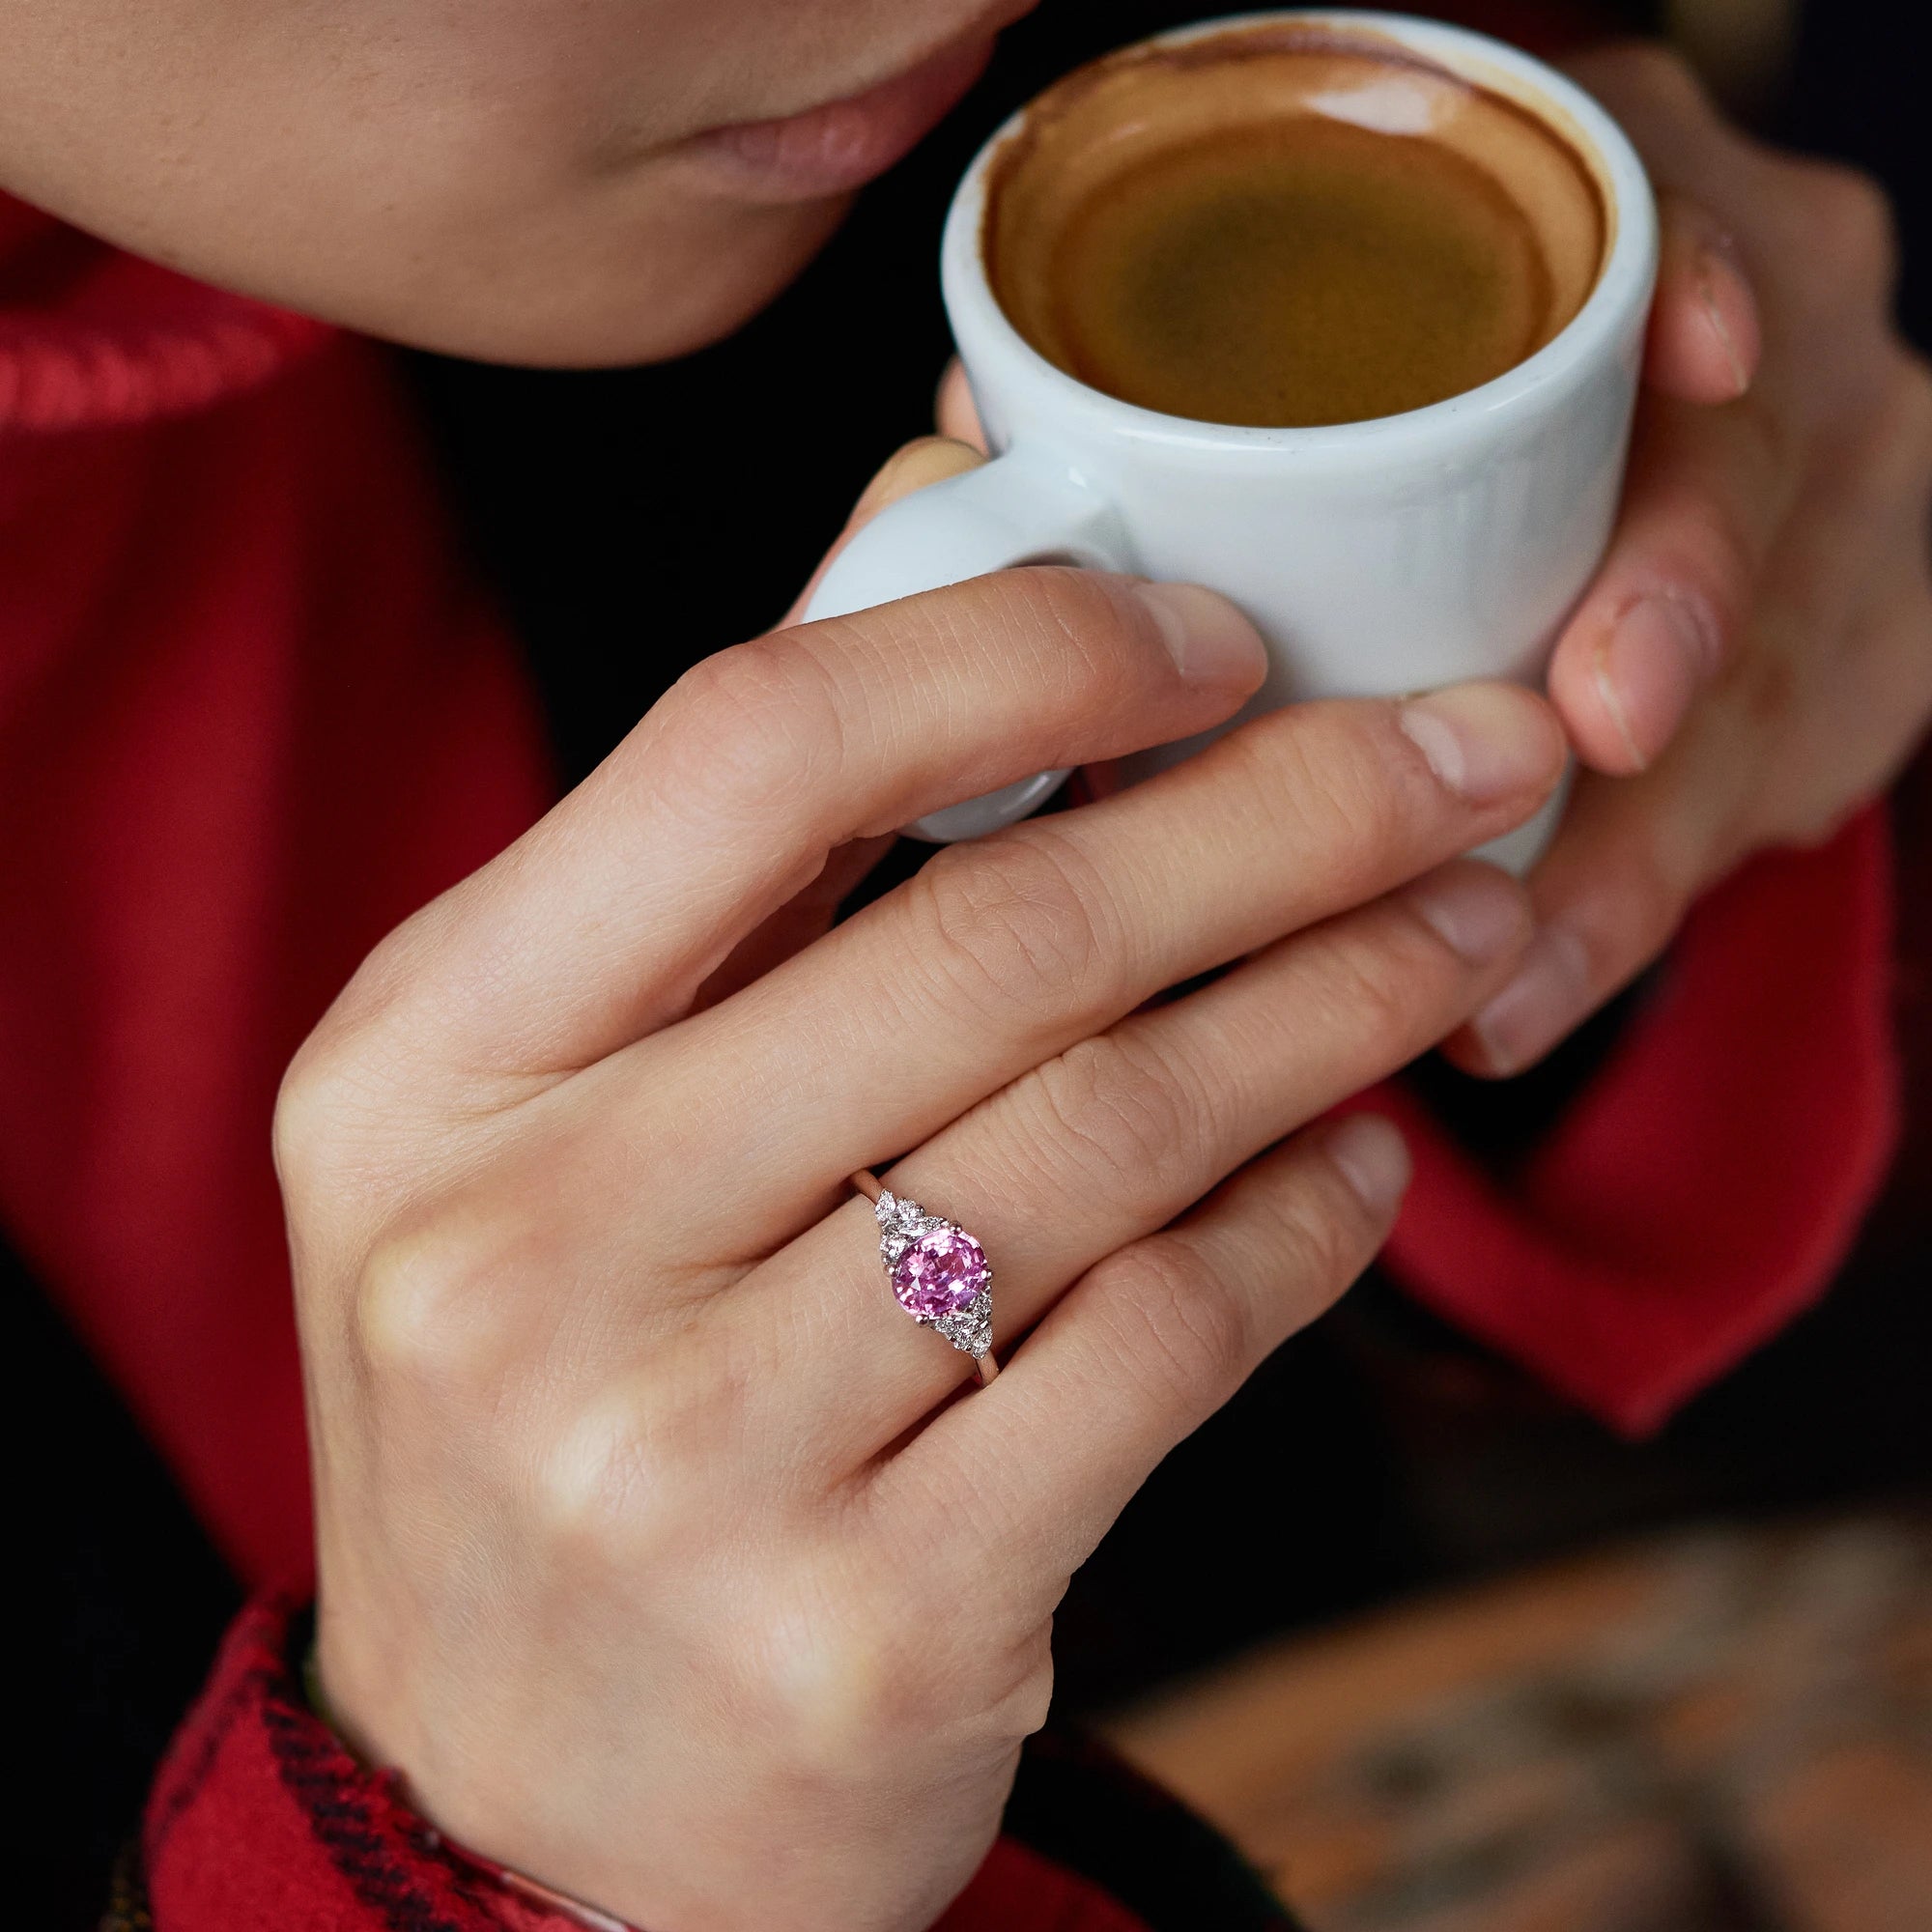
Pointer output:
x,y
1376,557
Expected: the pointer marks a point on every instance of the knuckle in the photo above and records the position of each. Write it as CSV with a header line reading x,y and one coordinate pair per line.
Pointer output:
x,y
753,730
632,1470
1116,1111
331,1100
344,1147
1012,921
1328,786
1061,634
1178,1328
844,1664
1370,989
307,1109
598,1481
425,1317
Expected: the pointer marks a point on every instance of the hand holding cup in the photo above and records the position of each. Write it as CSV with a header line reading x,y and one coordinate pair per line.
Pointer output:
x,y
660,1554
1753,662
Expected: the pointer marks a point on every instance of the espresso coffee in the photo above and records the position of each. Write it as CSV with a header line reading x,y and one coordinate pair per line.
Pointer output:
x,y
1288,227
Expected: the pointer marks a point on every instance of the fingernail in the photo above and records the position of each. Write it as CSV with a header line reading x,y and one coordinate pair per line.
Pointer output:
x,y
1374,1160
1714,316
1475,910
1483,740
1207,637
1718,256
930,460
1648,666
1550,995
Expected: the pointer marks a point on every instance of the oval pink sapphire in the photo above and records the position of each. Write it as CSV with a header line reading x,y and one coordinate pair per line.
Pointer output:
x,y
942,1272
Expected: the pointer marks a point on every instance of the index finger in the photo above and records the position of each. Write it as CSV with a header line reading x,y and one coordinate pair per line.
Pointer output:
x,y
603,922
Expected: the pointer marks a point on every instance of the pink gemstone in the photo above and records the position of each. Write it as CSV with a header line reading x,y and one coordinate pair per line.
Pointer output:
x,y
941,1274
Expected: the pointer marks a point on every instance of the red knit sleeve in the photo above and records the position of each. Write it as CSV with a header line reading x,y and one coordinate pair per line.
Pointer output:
x,y
259,1818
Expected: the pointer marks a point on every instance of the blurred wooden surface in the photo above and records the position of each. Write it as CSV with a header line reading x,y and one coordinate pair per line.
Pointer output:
x,y
1728,1731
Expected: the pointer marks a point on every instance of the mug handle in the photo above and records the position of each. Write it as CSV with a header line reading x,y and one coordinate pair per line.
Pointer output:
x,y
1025,506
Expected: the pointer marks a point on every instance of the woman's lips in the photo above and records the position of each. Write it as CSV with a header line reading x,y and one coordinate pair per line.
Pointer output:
x,y
842,146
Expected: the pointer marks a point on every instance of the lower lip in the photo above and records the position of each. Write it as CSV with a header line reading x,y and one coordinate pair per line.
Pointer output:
x,y
843,145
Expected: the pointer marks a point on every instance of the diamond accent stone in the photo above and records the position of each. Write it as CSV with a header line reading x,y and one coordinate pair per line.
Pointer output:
x,y
971,1330
900,1224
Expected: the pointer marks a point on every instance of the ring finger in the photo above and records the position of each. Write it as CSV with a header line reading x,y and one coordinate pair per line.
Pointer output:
x,y
1137,1354
1110,1140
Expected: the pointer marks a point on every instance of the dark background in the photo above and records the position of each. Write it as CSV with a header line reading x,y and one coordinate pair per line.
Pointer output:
x,y
634,521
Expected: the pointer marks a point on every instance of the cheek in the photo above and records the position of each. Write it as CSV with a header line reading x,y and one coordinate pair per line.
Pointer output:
x,y
515,227
460,254
492,194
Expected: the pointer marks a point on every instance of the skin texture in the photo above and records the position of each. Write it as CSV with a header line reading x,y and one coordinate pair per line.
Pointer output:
x,y
655,1548
514,180
656,1551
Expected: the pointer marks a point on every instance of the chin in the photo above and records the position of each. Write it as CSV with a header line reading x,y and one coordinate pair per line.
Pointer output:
x,y
631,298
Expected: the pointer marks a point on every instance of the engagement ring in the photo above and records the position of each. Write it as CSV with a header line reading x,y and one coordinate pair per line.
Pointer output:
x,y
939,1274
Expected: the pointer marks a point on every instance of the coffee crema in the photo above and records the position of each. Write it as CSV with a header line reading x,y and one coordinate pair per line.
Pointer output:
x,y
1285,226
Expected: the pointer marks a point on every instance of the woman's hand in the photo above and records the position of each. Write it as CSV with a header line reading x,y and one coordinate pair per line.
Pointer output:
x,y
655,1550
1754,661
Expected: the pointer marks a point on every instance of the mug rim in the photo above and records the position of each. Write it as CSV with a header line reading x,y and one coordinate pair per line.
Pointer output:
x,y
1625,280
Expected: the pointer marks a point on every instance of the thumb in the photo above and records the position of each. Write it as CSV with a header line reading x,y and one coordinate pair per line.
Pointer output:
x,y
930,460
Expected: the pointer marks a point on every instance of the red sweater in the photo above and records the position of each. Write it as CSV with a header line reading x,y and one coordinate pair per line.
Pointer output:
x,y
252,713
